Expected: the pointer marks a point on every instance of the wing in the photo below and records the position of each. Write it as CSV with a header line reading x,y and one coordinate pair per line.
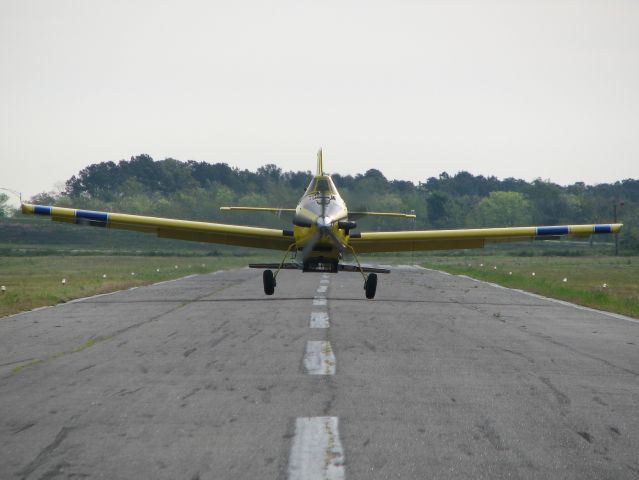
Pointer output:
x,y
467,238
170,228
357,215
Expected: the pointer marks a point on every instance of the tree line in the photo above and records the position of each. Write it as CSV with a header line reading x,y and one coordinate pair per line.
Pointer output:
x,y
196,190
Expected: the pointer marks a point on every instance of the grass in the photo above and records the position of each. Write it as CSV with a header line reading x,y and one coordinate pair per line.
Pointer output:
x,y
585,277
33,282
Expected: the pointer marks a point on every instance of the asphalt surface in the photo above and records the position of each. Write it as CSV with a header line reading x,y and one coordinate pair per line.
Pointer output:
x,y
206,378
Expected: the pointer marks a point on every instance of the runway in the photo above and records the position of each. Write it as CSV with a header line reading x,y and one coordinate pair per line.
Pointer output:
x,y
206,378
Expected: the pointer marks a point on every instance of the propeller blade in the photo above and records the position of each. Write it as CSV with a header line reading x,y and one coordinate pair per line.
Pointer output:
x,y
306,250
335,239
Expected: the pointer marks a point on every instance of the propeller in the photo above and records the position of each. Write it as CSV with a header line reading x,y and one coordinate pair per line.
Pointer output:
x,y
308,248
324,227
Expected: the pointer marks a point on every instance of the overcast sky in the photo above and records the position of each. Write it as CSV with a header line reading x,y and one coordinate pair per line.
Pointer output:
x,y
522,89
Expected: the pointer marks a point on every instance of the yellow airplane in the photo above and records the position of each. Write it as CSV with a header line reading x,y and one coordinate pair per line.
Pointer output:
x,y
321,235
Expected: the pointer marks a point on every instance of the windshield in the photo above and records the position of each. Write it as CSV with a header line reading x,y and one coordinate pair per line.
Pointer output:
x,y
321,186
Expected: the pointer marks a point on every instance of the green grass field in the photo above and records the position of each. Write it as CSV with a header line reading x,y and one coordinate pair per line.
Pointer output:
x,y
585,277
32,282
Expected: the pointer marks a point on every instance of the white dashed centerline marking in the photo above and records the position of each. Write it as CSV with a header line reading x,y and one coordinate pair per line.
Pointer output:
x,y
319,320
319,301
316,453
319,358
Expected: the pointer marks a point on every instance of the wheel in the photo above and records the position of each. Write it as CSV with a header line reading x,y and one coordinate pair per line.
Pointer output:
x,y
269,282
371,285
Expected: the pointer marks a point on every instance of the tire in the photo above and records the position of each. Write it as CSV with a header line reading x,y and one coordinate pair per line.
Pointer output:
x,y
371,286
269,282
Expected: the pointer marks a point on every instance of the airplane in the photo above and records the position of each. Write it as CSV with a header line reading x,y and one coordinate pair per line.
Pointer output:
x,y
322,233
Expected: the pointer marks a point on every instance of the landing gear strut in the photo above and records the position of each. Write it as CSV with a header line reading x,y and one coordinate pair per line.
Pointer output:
x,y
269,282
370,280
370,285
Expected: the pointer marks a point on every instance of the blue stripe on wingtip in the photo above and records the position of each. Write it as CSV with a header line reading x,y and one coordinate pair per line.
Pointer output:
x,y
602,229
40,210
91,215
553,230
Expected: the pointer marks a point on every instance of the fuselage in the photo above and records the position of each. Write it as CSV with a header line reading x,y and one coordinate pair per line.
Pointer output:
x,y
321,226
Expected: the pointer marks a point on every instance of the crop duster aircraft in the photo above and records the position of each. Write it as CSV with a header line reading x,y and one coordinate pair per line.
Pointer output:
x,y
322,232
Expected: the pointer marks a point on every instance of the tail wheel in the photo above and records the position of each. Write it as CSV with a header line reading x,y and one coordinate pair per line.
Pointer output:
x,y
269,282
371,285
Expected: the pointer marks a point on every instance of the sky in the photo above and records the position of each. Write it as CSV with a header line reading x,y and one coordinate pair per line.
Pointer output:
x,y
524,89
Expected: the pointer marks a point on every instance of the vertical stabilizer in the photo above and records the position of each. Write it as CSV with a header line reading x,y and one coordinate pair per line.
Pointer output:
x,y
320,167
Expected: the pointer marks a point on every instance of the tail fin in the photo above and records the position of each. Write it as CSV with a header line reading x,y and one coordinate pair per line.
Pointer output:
x,y
320,168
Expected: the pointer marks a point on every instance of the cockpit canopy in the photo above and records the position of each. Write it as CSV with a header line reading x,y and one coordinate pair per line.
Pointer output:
x,y
321,185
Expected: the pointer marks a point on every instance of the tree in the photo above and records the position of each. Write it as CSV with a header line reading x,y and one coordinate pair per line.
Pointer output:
x,y
444,211
548,205
96,180
4,208
501,209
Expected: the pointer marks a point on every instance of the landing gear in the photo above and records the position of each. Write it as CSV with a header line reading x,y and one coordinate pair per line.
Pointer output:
x,y
370,285
370,281
269,278
269,282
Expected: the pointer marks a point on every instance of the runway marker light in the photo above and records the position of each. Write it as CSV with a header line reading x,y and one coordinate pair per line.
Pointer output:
x,y
533,274
176,267
510,273
481,264
64,281
157,269
132,274
203,265
104,275
3,289
605,285
495,267
565,280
